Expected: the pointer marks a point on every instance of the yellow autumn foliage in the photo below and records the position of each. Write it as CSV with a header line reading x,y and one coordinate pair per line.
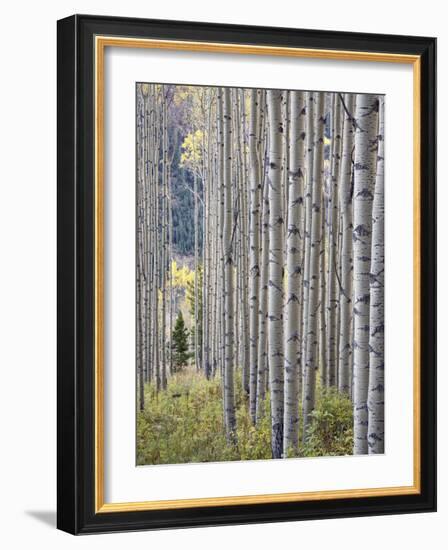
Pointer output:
x,y
191,155
182,276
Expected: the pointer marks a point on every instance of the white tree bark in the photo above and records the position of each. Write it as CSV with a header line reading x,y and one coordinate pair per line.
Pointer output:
x,y
322,312
375,400
262,360
245,230
306,240
164,232
227,244
332,217
156,237
364,183
141,287
311,358
292,332
254,251
346,200
275,286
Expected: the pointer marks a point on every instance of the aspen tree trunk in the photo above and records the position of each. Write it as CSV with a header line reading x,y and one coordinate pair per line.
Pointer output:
x,y
216,272
164,230
309,156
262,360
156,240
236,228
205,245
170,255
169,192
140,331
220,250
322,305
292,333
375,400
143,235
140,180
149,170
345,199
364,183
275,286
286,153
228,270
254,255
196,268
221,214
141,380
332,216
245,192
207,335
148,173
311,358
238,234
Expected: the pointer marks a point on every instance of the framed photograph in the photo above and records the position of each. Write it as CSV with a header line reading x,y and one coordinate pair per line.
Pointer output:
x,y
246,274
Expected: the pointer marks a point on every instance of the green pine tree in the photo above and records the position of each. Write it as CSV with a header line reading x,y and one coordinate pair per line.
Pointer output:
x,y
180,344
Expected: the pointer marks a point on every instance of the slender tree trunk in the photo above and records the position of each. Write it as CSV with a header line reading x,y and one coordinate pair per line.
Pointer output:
x,y
333,215
237,232
145,290
375,401
346,199
205,246
292,332
156,240
245,198
221,214
311,359
229,306
275,286
364,183
207,335
164,231
309,156
140,264
262,359
322,308
171,298
196,268
254,256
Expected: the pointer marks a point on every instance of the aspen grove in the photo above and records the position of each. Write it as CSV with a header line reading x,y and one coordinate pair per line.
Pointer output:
x,y
259,273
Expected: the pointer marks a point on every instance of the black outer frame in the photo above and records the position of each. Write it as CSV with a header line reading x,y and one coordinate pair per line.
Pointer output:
x,y
75,386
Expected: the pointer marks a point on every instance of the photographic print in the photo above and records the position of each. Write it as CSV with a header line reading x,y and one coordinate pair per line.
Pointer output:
x,y
259,274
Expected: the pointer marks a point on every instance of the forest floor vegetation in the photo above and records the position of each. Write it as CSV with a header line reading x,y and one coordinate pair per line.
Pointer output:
x,y
184,423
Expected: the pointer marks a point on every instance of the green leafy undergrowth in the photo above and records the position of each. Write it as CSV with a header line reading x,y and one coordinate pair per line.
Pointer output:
x,y
184,423
331,430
